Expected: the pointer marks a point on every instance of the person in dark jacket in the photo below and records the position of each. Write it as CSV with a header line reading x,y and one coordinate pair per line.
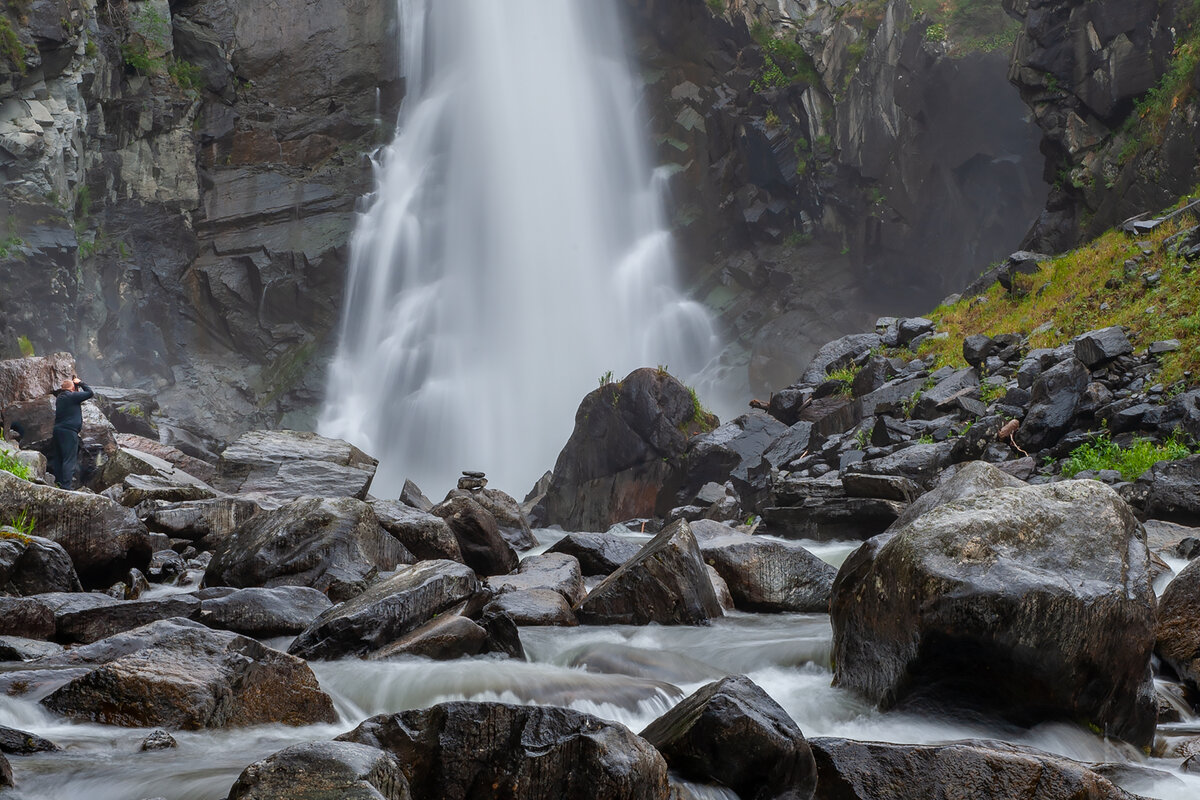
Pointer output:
x,y
68,422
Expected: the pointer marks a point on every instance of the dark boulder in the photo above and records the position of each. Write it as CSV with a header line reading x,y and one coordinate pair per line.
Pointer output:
x,y
455,634
1031,602
598,553
478,750
411,495
27,617
732,451
20,648
627,443
262,613
1170,490
483,548
920,463
534,607
102,538
387,610
180,674
504,508
323,771
768,575
34,565
333,545
980,770
93,624
1097,348
286,465
1179,625
837,354
1056,395
825,519
23,743
731,732
425,535
666,582
205,522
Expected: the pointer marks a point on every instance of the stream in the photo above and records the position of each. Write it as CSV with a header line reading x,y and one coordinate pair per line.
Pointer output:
x,y
627,674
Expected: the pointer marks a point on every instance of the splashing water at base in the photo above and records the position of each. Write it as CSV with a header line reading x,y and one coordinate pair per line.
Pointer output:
x,y
514,249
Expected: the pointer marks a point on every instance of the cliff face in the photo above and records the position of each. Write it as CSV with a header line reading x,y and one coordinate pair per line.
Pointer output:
x,y
1111,83
179,187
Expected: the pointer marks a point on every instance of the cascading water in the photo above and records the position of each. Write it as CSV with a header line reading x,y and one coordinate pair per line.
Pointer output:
x,y
514,249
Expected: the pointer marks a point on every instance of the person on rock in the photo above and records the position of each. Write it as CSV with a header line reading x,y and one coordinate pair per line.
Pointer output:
x,y
68,422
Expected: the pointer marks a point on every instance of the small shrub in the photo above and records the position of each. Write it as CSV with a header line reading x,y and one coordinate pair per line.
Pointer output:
x,y
845,376
187,76
1131,462
25,345
10,45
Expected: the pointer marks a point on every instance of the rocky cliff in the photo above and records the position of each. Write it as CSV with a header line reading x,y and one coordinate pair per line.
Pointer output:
x,y
179,187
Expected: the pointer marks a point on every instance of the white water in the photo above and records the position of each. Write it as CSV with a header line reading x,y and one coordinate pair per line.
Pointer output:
x,y
626,674
513,252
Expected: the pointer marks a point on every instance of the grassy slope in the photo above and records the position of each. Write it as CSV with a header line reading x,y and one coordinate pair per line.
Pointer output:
x,y
1068,296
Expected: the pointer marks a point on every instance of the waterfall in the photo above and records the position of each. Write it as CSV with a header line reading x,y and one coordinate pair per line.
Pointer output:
x,y
514,249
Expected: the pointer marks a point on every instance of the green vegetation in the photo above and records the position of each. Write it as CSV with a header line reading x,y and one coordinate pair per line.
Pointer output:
x,y
969,26
23,523
187,76
606,378
10,44
845,376
716,6
1131,462
784,61
1085,289
1148,123
701,416
25,345
9,244
991,392
9,463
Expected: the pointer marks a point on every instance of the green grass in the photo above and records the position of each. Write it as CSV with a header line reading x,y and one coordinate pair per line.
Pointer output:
x,y
1068,291
25,345
845,376
784,61
969,26
1131,462
9,463
24,524
10,45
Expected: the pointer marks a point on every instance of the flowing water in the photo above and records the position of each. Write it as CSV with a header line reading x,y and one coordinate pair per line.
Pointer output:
x,y
626,674
513,251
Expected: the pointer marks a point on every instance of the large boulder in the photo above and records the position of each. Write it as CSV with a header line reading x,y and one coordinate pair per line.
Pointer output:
x,y
172,455
103,539
980,770
205,522
285,465
262,613
36,376
1179,625
1056,395
323,771
666,582
388,610
1170,490
124,462
555,571
1030,601
180,674
425,535
504,508
597,553
731,732
769,575
534,607
483,548
33,565
627,443
732,451
99,622
334,545
27,617
478,750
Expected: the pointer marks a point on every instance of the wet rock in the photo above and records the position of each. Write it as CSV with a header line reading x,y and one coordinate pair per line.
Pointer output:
x,y
323,770
1179,625
982,770
1170,490
768,575
920,463
33,565
597,553
513,524
838,353
286,465
166,566
827,519
517,751
93,624
27,617
205,522
425,535
6,776
20,648
977,348
158,740
731,732
123,463
483,548
23,743
883,487
181,675
334,545
29,378
263,613
196,467
666,582
534,607
103,539
133,490
1099,347
411,495
1006,599
732,451
555,571
1056,395
626,444
387,610
446,637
